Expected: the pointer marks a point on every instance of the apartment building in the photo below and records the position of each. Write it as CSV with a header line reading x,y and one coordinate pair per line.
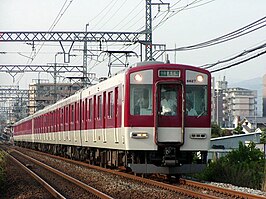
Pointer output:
x,y
232,103
43,93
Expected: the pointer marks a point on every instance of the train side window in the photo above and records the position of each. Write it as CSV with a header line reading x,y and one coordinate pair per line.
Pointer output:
x,y
62,119
141,99
72,114
196,100
90,109
99,115
110,104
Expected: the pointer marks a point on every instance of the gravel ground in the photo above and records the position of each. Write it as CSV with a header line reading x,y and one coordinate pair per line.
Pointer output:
x,y
18,184
242,189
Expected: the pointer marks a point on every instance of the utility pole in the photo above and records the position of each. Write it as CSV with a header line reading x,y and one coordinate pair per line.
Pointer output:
x,y
148,36
55,63
85,63
148,29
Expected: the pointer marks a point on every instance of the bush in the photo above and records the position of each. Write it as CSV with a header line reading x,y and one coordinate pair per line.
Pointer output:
x,y
242,167
2,164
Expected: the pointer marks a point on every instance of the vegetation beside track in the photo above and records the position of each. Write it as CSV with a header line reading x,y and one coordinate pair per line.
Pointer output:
x,y
2,170
242,167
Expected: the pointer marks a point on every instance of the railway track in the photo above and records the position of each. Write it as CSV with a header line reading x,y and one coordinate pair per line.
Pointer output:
x,y
20,182
186,189
57,183
123,185
226,193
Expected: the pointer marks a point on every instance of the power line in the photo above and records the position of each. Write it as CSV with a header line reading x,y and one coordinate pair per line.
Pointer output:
x,y
173,13
109,18
108,11
232,35
55,22
244,53
239,62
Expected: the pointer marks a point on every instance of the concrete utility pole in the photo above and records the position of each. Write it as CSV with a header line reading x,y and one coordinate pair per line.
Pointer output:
x,y
85,79
55,74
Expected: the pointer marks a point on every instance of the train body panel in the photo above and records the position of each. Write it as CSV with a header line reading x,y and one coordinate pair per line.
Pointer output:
x,y
154,113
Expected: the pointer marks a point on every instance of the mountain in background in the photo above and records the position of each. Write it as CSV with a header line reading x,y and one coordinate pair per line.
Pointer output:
x,y
252,84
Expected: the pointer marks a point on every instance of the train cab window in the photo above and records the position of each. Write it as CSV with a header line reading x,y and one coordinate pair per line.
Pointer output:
x,y
196,100
141,99
168,100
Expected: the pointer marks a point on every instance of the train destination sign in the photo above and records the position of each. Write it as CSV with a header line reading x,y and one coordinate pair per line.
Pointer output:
x,y
169,73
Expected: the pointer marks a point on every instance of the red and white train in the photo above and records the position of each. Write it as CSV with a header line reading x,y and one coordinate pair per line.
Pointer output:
x,y
140,118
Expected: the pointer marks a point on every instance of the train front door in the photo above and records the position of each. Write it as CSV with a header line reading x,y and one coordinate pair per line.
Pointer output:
x,y
169,113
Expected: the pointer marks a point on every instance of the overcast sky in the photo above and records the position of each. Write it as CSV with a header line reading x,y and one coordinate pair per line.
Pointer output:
x,y
189,22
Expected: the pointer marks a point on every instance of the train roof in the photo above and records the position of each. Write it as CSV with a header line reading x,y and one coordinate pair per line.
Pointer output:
x,y
114,80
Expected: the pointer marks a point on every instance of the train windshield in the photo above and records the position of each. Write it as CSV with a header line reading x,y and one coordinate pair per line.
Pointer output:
x,y
196,100
141,99
168,105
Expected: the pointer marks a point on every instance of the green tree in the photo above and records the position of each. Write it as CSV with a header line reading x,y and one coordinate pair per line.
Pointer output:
x,y
215,130
239,129
263,138
245,154
226,132
241,167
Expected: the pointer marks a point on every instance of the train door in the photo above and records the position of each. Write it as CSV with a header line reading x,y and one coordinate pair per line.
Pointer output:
x,y
168,121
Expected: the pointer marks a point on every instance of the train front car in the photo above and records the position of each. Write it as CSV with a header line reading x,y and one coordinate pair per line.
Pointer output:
x,y
167,118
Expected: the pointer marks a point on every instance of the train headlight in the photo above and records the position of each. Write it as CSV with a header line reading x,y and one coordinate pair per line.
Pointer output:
x,y
139,135
138,77
200,78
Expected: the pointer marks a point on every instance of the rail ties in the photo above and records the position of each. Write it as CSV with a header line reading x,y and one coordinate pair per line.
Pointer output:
x,y
94,192
228,192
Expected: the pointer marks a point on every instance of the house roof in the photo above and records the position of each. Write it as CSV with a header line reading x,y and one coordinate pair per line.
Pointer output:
x,y
260,120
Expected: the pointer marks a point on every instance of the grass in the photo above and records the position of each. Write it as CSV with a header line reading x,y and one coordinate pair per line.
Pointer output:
x,y
2,170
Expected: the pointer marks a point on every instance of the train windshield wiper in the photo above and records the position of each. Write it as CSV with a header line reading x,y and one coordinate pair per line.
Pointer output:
x,y
202,113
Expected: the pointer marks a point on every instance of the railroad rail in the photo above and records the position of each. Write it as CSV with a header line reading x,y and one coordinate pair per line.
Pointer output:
x,y
95,193
185,189
229,192
179,190
42,182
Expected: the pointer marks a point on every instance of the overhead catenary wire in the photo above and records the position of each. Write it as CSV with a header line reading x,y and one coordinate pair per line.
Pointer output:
x,y
244,53
60,14
175,11
239,62
158,15
232,35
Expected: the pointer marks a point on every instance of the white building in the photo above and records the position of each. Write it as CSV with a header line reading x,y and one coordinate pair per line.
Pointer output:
x,y
229,104
240,103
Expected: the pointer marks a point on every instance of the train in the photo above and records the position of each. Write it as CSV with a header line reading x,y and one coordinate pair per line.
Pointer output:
x,y
124,121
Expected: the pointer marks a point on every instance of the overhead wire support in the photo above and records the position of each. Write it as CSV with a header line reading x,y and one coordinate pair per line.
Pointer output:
x,y
148,28
123,37
20,68
73,36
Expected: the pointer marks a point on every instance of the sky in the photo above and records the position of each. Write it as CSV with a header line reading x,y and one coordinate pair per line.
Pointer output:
x,y
184,23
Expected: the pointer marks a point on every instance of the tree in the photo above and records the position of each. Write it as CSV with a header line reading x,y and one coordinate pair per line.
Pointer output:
x,y
263,137
238,129
215,130
242,167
